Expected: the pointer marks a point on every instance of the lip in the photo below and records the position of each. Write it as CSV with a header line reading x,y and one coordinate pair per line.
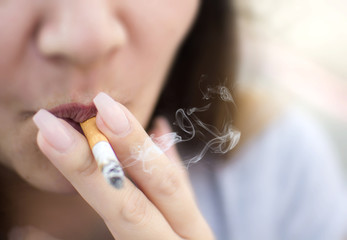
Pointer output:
x,y
74,113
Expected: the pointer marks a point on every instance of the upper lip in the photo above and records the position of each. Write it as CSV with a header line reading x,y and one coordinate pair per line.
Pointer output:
x,y
75,111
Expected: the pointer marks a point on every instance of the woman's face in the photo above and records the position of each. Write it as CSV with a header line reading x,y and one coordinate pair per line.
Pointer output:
x,y
66,51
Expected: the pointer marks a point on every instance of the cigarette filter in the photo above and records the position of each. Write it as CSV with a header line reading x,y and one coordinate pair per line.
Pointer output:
x,y
103,153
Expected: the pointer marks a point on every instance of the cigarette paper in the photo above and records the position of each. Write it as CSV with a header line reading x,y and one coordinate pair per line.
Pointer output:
x,y
103,153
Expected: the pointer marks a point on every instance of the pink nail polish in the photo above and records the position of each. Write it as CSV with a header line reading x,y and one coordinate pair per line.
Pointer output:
x,y
53,130
112,114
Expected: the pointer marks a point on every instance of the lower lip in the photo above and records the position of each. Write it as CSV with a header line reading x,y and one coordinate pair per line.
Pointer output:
x,y
74,124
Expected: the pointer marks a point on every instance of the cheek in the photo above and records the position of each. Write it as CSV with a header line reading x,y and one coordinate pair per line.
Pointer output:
x,y
161,24
155,30
23,75
16,29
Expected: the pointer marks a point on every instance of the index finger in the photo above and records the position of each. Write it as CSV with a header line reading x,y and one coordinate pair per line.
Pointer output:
x,y
163,181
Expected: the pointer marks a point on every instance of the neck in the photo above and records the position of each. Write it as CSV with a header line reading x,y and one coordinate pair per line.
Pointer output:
x,y
65,216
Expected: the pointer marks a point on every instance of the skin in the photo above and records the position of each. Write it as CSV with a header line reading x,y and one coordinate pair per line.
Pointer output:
x,y
60,51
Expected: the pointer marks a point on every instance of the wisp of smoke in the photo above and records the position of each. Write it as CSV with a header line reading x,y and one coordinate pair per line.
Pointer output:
x,y
220,142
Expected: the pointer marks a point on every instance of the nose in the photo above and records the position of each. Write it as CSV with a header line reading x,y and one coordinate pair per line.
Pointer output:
x,y
80,32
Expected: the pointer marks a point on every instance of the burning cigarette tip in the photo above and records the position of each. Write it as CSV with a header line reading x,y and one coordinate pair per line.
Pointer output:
x,y
114,173
117,182
103,154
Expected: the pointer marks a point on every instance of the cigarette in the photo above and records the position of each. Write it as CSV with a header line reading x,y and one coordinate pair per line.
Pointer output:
x,y
103,153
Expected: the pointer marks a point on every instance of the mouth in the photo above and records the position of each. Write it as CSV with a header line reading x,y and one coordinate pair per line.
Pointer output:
x,y
74,113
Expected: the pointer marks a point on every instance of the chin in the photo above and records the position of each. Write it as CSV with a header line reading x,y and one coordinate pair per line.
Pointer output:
x,y
50,180
36,170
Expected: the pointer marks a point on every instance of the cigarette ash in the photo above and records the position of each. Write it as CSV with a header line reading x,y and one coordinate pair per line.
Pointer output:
x,y
114,174
217,141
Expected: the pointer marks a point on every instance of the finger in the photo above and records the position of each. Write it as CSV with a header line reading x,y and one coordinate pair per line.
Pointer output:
x,y
165,139
127,212
162,128
162,132
161,180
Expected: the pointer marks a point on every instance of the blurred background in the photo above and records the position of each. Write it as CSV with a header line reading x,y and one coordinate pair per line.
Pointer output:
x,y
298,48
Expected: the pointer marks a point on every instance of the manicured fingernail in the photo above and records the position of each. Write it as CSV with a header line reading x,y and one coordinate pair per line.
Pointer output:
x,y
112,114
53,130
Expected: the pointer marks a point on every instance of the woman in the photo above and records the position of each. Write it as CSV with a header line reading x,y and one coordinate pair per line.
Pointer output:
x,y
58,56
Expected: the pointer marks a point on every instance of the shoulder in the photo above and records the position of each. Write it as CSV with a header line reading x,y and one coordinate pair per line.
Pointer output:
x,y
283,179
293,170
295,133
292,144
272,126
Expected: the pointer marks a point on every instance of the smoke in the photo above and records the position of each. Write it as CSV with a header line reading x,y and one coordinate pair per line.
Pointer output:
x,y
221,91
192,128
220,141
209,92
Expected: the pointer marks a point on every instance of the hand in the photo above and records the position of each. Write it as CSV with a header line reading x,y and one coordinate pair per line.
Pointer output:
x,y
157,204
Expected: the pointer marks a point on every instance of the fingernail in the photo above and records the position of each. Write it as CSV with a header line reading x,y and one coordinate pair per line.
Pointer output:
x,y
112,114
53,130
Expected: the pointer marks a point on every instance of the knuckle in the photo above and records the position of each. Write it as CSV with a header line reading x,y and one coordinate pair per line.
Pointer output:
x,y
198,229
81,162
135,208
170,182
87,168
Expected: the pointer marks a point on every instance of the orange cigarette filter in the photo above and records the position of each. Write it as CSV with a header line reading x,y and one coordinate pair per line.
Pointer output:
x,y
92,132
103,153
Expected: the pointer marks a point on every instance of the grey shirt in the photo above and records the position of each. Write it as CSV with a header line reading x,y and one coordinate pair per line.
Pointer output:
x,y
282,184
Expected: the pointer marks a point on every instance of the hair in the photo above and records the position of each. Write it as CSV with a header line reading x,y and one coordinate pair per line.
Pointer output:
x,y
209,51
